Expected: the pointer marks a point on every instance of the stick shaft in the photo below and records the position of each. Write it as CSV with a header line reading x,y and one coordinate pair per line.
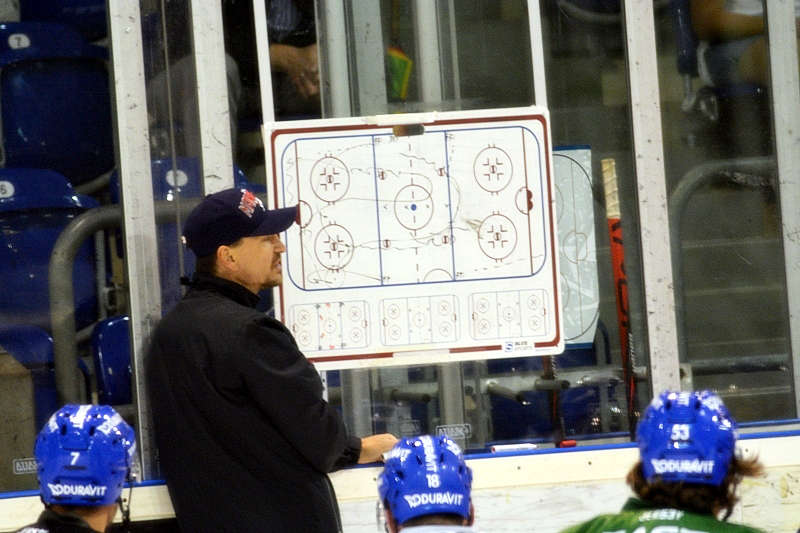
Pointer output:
x,y
617,246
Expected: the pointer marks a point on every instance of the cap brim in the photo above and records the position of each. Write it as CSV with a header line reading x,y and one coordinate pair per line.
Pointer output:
x,y
276,221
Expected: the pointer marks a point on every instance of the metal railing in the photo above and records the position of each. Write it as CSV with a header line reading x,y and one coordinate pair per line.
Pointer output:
x,y
61,290
699,176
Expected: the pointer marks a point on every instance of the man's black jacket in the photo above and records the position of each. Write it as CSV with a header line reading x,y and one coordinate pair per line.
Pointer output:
x,y
243,434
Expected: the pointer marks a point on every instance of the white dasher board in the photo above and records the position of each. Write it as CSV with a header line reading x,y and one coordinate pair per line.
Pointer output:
x,y
433,247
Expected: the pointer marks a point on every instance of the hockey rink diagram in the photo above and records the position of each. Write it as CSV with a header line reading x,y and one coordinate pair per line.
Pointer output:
x,y
400,237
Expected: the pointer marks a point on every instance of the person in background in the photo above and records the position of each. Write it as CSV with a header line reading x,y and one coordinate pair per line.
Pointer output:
x,y
244,436
83,454
733,48
688,470
293,58
425,487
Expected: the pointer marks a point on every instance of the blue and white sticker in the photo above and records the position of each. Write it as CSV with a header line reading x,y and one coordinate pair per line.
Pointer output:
x,y
18,40
6,189
24,465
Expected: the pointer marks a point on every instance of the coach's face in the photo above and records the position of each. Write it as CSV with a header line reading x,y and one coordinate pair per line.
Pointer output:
x,y
256,261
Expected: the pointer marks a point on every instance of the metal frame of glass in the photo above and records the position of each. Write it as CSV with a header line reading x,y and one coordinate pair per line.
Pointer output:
x,y
645,109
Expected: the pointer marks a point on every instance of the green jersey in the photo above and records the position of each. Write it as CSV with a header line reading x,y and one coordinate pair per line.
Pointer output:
x,y
638,516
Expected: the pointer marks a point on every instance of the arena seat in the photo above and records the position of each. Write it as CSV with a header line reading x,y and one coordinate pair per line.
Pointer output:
x,y
55,101
35,207
111,348
86,16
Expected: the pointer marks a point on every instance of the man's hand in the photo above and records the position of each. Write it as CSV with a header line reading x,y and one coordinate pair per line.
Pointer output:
x,y
301,64
374,446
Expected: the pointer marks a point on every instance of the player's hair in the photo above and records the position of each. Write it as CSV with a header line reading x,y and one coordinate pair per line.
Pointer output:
x,y
445,519
695,497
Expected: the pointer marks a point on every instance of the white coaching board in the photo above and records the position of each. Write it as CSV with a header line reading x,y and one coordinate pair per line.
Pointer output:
x,y
432,247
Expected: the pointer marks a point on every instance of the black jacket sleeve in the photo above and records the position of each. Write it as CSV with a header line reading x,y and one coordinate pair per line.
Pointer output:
x,y
288,390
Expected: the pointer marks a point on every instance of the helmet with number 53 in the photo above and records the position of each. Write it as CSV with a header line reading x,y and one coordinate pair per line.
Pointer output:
x,y
686,436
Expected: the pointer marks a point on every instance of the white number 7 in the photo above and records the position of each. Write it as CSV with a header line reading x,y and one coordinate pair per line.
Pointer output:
x,y
75,456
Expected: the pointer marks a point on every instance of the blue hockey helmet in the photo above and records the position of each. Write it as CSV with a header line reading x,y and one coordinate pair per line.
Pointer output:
x,y
425,475
687,436
83,455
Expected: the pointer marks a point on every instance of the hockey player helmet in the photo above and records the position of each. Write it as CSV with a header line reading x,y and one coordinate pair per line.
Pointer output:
x,y
686,436
425,475
84,454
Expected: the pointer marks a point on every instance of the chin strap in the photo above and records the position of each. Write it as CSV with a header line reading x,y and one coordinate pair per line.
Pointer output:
x,y
125,507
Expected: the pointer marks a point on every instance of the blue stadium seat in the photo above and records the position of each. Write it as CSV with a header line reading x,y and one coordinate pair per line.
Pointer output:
x,y
86,16
111,348
35,207
55,101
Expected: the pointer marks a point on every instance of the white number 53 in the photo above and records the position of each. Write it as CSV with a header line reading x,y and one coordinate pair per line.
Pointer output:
x,y
680,432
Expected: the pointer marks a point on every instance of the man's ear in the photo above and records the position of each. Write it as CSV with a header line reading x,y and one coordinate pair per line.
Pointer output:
x,y
225,258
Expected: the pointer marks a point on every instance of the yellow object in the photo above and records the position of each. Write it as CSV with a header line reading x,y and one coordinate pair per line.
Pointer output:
x,y
399,68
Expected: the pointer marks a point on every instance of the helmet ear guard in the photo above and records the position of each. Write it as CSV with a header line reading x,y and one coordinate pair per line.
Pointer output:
x,y
425,475
687,437
84,454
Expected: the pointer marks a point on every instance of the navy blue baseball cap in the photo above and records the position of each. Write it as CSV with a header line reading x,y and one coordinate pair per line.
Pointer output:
x,y
226,216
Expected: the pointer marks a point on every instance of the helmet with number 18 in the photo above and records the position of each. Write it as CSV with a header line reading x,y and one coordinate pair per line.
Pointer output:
x,y
423,476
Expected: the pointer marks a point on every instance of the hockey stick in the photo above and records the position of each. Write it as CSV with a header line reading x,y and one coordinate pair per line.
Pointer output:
x,y
613,218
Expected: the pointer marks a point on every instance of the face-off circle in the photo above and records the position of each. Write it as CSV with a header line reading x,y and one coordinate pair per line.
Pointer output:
x,y
497,236
493,169
330,179
413,207
333,247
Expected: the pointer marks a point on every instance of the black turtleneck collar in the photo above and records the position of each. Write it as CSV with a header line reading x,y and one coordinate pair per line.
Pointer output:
x,y
227,288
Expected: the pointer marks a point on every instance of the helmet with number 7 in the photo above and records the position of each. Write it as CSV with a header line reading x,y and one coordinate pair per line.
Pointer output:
x,y
84,454
425,475
686,436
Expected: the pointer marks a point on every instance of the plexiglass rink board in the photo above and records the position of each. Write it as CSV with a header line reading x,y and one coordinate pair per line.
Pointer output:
x,y
442,242
580,291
